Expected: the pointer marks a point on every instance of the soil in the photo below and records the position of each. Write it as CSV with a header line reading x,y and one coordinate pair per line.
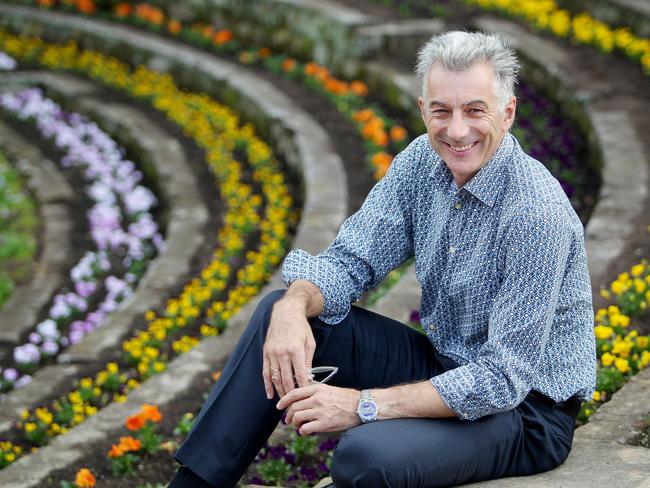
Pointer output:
x,y
590,67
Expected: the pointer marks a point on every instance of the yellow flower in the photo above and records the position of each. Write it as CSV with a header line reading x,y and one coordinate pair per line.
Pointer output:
x,y
645,358
622,365
30,427
642,342
603,332
596,396
112,368
637,270
86,383
607,359
10,457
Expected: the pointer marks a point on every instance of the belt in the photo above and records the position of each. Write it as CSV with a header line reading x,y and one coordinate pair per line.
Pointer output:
x,y
570,406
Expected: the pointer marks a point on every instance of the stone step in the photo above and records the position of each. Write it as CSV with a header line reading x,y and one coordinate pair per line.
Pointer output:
x,y
54,197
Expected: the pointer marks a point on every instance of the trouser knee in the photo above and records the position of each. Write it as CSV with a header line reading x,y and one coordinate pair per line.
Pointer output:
x,y
355,466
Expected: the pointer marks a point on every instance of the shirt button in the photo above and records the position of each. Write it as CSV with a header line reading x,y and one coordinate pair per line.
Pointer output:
x,y
458,205
432,327
452,250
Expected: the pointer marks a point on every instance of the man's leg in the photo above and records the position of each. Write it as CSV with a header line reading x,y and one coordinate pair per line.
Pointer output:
x,y
236,420
447,452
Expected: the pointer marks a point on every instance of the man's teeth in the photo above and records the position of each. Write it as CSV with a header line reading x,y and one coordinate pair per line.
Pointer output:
x,y
461,148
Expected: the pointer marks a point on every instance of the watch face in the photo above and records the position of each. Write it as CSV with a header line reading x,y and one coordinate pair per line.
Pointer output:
x,y
367,410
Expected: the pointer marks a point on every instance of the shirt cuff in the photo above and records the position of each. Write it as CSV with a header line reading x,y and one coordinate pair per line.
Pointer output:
x,y
300,265
455,387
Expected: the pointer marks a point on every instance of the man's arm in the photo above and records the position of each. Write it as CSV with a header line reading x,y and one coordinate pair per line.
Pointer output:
x,y
289,346
324,408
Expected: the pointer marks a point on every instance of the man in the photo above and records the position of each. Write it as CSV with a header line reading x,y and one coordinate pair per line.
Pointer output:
x,y
493,388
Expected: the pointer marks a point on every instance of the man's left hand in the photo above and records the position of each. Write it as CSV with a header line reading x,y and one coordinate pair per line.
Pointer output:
x,y
321,408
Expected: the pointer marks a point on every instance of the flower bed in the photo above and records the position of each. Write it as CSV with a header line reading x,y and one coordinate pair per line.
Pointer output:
x,y
581,28
18,225
120,223
208,300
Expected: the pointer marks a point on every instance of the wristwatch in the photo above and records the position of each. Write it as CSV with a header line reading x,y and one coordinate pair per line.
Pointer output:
x,y
367,409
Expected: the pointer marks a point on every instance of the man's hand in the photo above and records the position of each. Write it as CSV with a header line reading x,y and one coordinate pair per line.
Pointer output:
x,y
321,408
290,345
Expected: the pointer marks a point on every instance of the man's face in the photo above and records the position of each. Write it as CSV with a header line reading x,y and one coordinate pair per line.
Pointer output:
x,y
462,118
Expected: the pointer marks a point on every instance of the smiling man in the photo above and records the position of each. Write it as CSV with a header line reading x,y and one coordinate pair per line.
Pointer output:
x,y
494,386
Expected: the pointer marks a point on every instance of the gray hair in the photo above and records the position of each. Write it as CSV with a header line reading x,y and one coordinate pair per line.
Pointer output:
x,y
457,51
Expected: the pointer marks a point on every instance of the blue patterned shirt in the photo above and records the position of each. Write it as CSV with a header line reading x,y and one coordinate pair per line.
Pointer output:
x,y
502,266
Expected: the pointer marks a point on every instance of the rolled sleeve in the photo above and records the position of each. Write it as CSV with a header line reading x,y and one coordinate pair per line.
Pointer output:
x,y
535,256
370,243
334,285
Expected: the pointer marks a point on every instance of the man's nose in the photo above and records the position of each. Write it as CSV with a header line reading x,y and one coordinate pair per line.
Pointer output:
x,y
457,128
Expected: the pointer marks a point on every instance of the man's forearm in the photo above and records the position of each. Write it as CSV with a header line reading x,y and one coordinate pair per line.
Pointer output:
x,y
302,297
415,400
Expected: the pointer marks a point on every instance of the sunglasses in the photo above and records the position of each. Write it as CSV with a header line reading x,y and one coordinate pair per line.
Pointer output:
x,y
319,371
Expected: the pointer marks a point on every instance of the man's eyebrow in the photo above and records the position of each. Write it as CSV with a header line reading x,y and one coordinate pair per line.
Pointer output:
x,y
478,101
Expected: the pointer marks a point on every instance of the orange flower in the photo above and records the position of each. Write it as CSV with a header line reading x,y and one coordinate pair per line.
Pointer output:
x,y
359,88
371,127
174,26
222,37
264,52
151,412
216,375
123,10
84,479
381,161
288,64
45,3
128,444
398,133
363,115
115,452
311,68
380,137
335,86
86,6
135,422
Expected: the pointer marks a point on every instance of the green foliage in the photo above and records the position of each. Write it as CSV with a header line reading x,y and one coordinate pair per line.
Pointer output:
x,y
18,224
124,464
274,471
184,425
302,446
609,380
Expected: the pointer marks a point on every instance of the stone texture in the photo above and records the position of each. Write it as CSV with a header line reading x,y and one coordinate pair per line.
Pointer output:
x,y
54,196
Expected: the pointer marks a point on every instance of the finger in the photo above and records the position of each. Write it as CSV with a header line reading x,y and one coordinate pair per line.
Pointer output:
x,y
266,375
304,416
298,406
286,374
276,378
295,396
300,369
313,427
310,349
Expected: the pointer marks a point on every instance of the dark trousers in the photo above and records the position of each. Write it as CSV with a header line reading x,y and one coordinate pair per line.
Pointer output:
x,y
372,351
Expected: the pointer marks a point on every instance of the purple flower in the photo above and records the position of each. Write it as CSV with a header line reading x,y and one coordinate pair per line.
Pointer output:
x,y
415,316
27,354
50,348
10,374
308,473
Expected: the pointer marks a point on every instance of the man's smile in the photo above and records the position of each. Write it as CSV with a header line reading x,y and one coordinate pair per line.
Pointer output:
x,y
460,150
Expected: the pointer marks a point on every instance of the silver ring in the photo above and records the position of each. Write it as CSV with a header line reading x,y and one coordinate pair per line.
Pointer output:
x,y
275,370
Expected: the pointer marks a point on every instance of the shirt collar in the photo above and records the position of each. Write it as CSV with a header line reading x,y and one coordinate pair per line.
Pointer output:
x,y
487,183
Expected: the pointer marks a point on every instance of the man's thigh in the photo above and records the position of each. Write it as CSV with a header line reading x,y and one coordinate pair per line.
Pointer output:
x,y
411,453
427,452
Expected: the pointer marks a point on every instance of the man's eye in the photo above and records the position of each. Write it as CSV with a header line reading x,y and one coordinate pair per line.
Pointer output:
x,y
475,111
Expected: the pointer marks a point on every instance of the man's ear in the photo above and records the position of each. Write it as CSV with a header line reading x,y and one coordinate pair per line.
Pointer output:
x,y
422,109
509,114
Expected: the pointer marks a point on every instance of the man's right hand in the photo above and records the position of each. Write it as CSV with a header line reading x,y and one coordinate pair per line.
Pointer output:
x,y
290,345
